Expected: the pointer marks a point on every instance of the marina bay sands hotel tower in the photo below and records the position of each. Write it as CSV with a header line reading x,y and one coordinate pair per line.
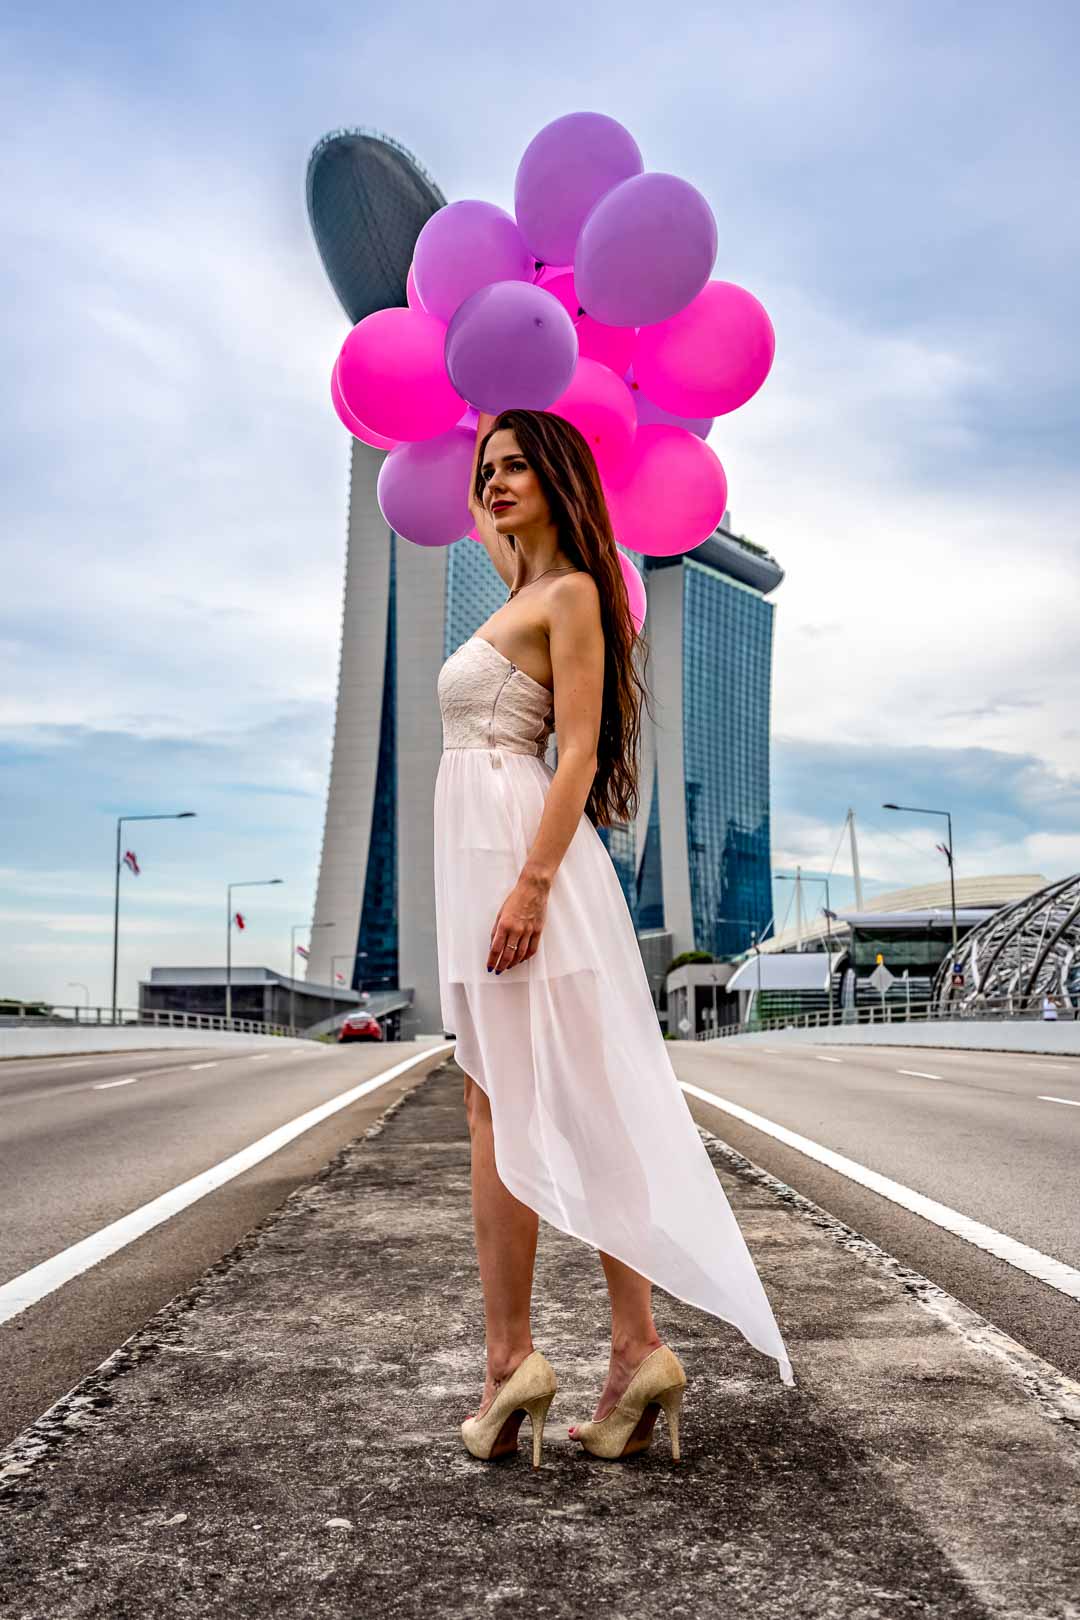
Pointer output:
x,y
695,866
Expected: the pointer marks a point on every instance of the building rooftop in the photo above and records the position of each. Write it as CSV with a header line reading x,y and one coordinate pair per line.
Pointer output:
x,y
368,200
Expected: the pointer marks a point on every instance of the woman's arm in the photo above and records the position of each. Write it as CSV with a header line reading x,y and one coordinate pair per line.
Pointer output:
x,y
576,637
496,545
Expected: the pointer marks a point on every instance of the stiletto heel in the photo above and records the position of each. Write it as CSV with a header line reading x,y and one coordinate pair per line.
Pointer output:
x,y
658,1383
530,1388
671,1401
538,1411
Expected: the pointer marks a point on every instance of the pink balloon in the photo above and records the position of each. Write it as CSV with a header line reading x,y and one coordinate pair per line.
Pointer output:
x,y
561,286
393,376
649,414
635,591
412,297
548,272
669,494
466,246
613,346
599,404
358,429
423,489
711,357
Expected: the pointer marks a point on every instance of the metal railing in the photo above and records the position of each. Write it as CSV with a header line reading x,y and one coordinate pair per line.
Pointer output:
x,y
1029,1008
36,1015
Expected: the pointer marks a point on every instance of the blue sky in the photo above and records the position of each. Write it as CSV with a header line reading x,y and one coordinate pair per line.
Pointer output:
x,y
894,182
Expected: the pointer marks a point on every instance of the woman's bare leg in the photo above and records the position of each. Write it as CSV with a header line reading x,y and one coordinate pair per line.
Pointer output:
x,y
506,1233
633,1331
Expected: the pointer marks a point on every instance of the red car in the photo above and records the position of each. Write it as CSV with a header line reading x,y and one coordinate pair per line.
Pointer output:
x,y
360,1027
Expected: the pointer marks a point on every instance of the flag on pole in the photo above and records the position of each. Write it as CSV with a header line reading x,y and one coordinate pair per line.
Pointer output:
x,y
130,862
302,950
239,920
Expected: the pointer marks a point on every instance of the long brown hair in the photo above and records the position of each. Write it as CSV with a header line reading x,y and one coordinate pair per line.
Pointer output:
x,y
561,459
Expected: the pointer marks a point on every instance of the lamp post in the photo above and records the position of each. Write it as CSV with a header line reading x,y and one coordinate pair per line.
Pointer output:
x,y
293,931
74,984
920,810
248,883
782,877
175,815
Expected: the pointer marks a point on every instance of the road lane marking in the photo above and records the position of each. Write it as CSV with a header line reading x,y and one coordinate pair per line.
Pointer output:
x,y
203,1065
920,1074
1070,1102
22,1292
79,1063
818,1059
257,1057
1049,1065
1066,1279
107,1085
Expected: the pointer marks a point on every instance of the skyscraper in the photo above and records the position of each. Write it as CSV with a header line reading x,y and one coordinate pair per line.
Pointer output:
x,y
695,866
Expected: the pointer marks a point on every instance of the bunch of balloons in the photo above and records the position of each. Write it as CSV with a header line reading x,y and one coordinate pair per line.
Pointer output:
x,y
594,302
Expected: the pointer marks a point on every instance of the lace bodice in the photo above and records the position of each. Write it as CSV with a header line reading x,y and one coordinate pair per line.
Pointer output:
x,y
487,702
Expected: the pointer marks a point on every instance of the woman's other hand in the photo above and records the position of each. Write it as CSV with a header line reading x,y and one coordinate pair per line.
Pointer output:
x,y
516,933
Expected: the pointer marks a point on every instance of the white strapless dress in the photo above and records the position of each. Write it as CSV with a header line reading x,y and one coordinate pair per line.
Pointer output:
x,y
591,1128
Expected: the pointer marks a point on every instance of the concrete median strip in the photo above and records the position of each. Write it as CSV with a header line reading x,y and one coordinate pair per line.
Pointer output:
x,y
1066,1279
283,1438
20,1293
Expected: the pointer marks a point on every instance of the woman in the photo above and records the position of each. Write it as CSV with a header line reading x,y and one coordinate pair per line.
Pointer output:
x,y
574,1110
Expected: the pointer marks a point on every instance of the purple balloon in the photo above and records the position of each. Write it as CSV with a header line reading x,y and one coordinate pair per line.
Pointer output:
x,y
564,172
511,345
645,251
463,247
423,488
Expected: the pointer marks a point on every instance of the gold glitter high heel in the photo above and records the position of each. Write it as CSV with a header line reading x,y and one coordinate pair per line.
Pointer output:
x,y
529,1389
657,1384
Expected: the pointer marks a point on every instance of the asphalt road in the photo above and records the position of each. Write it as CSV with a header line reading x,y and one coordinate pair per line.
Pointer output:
x,y
977,1137
85,1141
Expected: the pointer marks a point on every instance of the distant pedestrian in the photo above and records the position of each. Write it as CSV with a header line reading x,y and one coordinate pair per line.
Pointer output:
x,y
1050,1006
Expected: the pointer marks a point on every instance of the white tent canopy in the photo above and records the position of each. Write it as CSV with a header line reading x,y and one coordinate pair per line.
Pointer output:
x,y
798,970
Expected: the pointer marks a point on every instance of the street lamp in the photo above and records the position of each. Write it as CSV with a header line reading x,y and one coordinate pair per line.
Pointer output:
x,y
293,931
249,883
74,984
175,815
918,810
782,877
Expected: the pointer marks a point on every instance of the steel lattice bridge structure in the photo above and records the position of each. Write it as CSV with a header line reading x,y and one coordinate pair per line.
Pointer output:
x,y
1025,951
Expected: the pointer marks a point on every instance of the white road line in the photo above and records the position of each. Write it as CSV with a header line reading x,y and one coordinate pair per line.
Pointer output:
x,y
107,1085
1070,1102
203,1065
22,1292
1051,1065
920,1074
257,1057
80,1063
1041,1266
818,1059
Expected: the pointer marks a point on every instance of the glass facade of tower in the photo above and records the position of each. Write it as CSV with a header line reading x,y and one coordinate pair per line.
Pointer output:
x,y
376,963
727,664
473,591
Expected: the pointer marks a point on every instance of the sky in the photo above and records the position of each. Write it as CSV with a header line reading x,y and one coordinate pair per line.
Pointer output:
x,y
893,182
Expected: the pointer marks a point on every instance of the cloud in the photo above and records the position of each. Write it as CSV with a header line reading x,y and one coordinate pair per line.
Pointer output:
x,y
888,180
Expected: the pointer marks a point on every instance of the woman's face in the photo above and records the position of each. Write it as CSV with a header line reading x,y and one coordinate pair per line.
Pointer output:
x,y
512,492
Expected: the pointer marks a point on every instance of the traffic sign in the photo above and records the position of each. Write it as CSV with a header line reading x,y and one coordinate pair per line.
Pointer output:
x,y
881,978
684,1025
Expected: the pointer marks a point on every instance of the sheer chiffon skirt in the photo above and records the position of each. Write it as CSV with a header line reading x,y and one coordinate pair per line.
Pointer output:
x,y
591,1128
